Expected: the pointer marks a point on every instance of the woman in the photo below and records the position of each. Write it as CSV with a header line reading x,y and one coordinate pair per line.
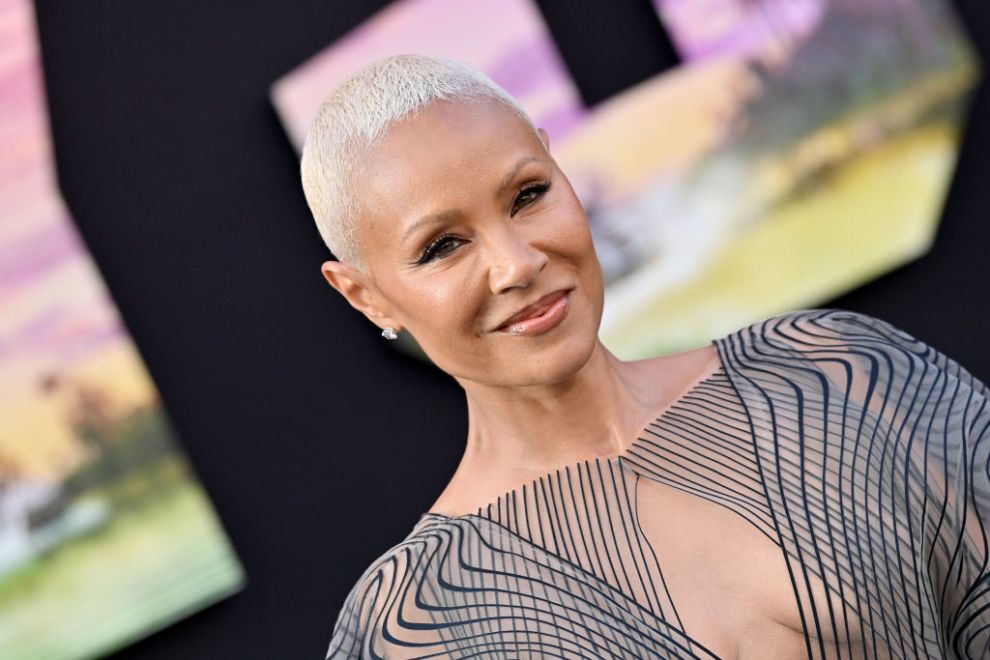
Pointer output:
x,y
811,485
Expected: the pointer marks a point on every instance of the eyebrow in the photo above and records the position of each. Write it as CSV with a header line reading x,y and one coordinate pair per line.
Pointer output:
x,y
452,213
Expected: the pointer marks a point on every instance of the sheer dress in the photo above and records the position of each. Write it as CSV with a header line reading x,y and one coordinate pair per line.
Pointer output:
x,y
831,476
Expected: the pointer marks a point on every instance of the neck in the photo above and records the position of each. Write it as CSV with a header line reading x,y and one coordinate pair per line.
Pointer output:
x,y
518,434
536,428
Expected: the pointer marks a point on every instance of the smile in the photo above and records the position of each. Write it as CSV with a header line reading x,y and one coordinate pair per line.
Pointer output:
x,y
547,319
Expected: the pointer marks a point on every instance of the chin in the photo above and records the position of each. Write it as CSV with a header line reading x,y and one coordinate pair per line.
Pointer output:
x,y
553,363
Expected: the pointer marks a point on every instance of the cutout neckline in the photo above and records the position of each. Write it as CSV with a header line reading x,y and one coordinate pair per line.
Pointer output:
x,y
656,420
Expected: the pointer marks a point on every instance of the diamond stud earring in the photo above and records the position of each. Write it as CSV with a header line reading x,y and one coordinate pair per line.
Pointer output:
x,y
390,333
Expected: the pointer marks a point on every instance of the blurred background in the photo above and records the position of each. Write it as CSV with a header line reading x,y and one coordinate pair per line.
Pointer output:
x,y
202,446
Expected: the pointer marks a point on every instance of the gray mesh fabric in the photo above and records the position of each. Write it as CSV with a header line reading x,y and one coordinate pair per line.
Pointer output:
x,y
833,471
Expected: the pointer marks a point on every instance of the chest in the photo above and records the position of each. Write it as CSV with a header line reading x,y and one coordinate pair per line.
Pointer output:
x,y
703,562
731,587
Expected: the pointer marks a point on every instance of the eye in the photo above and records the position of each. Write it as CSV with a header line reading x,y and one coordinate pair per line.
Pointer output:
x,y
435,248
530,194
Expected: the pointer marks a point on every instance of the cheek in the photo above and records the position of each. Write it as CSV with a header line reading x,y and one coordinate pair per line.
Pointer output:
x,y
441,304
576,243
572,231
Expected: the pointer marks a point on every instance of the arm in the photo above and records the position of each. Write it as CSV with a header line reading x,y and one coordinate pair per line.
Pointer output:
x,y
942,412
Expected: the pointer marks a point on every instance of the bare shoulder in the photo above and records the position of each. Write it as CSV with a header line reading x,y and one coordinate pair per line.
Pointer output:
x,y
680,369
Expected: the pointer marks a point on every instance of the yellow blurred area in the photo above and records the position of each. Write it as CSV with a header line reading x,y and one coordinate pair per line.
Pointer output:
x,y
871,214
657,129
33,432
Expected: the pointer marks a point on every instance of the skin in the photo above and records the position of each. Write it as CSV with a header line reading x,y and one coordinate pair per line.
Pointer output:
x,y
535,403
538,403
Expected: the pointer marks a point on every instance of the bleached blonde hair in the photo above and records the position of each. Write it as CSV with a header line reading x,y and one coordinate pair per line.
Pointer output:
x,y
355,117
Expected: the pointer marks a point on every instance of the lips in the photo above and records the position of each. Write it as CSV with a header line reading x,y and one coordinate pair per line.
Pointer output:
x,y
535,309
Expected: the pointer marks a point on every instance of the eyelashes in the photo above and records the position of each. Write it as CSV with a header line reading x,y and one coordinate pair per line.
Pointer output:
x,y
535,189
433,249
527,195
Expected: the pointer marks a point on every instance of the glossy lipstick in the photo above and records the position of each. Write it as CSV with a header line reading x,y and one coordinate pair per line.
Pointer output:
x,y
548,318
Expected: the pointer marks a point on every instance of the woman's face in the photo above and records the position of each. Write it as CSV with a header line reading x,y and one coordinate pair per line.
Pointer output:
x,y
465,220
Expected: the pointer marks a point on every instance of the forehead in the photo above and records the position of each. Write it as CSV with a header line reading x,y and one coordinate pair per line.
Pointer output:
x,y
445,155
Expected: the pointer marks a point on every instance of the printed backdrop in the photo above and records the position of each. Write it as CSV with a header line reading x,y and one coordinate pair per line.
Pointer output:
x,y
105,533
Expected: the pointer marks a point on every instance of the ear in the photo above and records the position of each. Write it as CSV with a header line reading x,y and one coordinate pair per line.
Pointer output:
x,y
545,138
358,291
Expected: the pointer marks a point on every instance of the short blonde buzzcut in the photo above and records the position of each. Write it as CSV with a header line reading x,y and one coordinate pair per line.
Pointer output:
x,y
354,118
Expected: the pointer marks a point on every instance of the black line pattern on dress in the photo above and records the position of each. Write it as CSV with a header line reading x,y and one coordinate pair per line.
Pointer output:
x,y
859,451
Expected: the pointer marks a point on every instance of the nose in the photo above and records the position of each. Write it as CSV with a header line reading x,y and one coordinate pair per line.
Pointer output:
x,y
515,262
